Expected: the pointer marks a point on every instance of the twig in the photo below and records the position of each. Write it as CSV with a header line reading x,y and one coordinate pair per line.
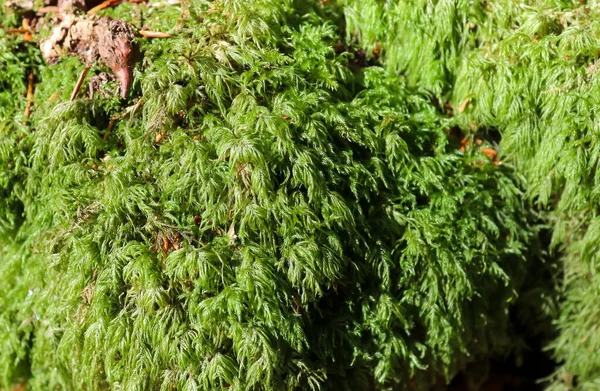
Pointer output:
x,y
153,34
17,31
111,124
29,97
298,306
103,5
25,32
80,82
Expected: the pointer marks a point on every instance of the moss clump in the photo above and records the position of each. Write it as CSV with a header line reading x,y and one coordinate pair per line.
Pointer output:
x,y
529,71
255,216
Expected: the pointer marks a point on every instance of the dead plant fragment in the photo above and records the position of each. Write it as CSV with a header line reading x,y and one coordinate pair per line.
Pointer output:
x,y
30,89
93,38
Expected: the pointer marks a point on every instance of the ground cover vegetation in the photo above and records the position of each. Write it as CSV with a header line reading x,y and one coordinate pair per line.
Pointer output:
x,y
296,194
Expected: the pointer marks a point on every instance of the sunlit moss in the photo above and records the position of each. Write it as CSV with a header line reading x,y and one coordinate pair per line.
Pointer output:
x,y
254,216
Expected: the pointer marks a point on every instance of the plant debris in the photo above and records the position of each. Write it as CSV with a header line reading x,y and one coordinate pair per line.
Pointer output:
x,y
30,88
89,37
92,38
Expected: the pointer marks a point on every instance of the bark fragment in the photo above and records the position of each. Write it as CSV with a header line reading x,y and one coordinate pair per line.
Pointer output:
x,y
119,50
92,38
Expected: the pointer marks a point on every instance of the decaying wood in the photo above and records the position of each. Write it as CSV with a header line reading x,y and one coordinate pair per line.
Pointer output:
x,y
87,36
92,38
74,36
119,50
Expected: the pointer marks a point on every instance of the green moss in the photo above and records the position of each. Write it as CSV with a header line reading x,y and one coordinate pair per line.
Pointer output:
x,y
258,217
530,72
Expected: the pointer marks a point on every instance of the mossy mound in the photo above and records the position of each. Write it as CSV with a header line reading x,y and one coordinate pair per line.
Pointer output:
x,y
267,210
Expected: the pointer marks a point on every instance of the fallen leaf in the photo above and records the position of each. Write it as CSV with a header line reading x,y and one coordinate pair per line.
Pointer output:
x,y
463,106
231,233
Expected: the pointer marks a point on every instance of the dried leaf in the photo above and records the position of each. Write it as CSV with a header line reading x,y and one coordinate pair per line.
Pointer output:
x,y
231,234
463,106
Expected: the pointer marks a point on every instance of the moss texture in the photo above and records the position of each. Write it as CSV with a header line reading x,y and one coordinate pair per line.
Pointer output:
x,y
285,201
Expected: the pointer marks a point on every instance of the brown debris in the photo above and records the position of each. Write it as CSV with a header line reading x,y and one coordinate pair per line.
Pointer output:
x,y
491,153
87,294
25,30
167,241
166,245
297,304
26,24
16,31
464,143
119,50
103,5
74,36
96,84
30,86
95,37
377,50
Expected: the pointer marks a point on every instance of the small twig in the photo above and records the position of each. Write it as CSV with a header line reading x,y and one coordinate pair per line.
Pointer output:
x,y
154,34
103,5
297,303
25,32
29,97
80,81
17,31
111,124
